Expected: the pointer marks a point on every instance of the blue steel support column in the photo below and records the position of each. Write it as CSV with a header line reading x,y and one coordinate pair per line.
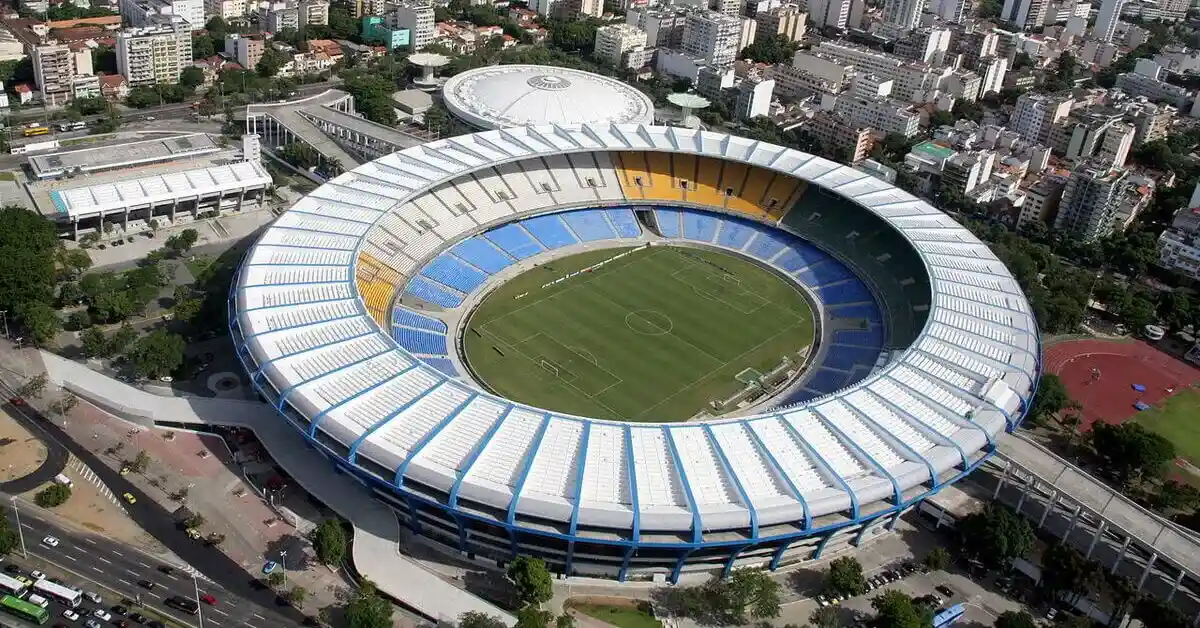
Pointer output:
x,y
880,431
414,522
636,537
987,435
737,482
257,374
778,556
583,450
420,445
697,522
316,420
511,516
821,546
452,499
923,427
779,472
816,458
353,456
679,565
838,434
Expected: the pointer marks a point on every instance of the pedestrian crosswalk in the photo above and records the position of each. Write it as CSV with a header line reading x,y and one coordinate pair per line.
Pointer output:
x,y
90,476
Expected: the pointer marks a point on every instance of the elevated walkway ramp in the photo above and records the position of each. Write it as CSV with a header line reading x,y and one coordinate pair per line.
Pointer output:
x,y
376,528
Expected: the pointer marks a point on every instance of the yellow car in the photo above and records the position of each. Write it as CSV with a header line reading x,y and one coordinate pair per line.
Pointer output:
x,y
25,581
130,498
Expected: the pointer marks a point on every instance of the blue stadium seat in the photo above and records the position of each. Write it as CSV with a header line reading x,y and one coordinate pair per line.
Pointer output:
x,y
408,318
482,254
850,291
443,365
832,271
769,243
626,223
515,241
668,222
425,289
825,381
589,224
448,271
699,226
800,255
846,358
870,337
550,231
420,341
868,311
735,233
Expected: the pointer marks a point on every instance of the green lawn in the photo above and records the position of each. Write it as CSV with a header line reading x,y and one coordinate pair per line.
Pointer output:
x,y
1176,420
197,265
653,336
621,616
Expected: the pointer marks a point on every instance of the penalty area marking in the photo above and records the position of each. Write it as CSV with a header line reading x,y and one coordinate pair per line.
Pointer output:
x,y
649,322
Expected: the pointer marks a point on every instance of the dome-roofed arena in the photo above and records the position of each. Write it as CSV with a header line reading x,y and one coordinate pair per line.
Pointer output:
x,y
349,314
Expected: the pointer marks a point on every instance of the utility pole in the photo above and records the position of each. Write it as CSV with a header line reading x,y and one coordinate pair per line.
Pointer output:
x,y
199,611
283,563
20,532
4,316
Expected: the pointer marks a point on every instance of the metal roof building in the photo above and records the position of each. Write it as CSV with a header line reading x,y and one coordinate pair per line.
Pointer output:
x,y
90,201
503,96
496,478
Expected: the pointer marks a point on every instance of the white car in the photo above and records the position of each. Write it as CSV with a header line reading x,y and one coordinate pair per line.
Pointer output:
x,y
93,597
101,614
71,615
51,541
37,575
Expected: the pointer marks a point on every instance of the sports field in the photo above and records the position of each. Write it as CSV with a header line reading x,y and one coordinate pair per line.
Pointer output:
x,y
1175,420
652,336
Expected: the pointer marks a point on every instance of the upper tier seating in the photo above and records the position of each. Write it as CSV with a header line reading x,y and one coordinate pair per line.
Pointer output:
x,y
515,241
657,176
550,231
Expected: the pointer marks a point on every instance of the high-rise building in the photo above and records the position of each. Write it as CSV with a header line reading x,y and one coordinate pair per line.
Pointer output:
x,y
1118,139
926,44
247,50
712,36
664,27
1090,202
276,20
1106,21
148,56
903,14
787,20
1027,14
313,12
991,71
829,13
614,41
727,7
753,98
1036,113
1150,121
53,69
142,13
417,17
225,9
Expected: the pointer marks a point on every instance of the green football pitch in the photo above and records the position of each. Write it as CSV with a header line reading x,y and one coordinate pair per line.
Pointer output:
x,y
652,336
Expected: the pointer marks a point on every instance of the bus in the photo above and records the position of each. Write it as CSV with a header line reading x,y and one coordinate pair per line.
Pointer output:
x,y
37,130
949,616
185,604
12,586
20,608
72,126
61,593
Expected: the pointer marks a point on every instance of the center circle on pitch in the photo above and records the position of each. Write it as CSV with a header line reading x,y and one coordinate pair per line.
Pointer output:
x,y
649,322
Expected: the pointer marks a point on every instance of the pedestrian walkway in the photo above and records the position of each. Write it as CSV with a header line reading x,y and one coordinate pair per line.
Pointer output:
x,y
376,530
88,475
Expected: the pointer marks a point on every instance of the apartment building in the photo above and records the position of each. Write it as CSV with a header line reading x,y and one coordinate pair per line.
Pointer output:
x,y
787,20
615,41
904,15
55,67
1106,20
314,12
417,17
1150,121
836,133
885,114
753,98
225,9
810,74
246,50
1118,140
829,13
992,71
712,37
1090,201
1041,200
1035,114
928,45
964,84
149,13
278,19
148,56
664,27
1150,87
1027,14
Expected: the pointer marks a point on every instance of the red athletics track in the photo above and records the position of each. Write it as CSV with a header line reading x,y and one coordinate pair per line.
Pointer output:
x,y
1121,365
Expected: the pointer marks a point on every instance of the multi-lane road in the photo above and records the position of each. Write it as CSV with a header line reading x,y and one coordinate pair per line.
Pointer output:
x,y
120,572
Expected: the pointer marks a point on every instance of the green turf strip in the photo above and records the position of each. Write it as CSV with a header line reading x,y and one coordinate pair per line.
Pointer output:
x,y
652,336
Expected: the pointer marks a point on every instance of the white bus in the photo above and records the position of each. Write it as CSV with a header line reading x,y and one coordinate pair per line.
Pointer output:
x,y
12,586
62,593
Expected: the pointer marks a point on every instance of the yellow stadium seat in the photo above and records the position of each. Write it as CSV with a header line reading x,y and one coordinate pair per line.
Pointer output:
x,y
377,282
794,200
780,195
683,169
706,190
660,185
633,174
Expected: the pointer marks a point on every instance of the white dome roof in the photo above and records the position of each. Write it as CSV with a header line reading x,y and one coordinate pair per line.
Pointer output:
x,y
504,96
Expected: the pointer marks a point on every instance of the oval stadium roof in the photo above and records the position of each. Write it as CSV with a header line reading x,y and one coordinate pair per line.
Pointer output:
x,y
505,96
302,327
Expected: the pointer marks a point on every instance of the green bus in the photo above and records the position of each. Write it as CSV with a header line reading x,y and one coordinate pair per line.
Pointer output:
x,y
20,608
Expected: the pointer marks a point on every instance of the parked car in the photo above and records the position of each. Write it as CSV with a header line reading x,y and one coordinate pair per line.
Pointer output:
x,y
269,566
207,598
93,597
37,575
944,590
71,615
102,614
51,541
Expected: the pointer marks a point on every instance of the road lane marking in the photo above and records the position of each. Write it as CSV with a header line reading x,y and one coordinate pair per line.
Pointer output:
x,y
26,526
259,616
128,583
87,540
217,610
251,625
96,569
116,552
103,560
212,622
144,565
70,556
131,572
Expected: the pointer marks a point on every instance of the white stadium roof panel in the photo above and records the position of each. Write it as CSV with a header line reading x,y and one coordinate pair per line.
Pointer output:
x,y
305,328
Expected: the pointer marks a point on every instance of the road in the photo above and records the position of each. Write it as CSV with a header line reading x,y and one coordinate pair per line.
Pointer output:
x,y
114,571
56,454
161,525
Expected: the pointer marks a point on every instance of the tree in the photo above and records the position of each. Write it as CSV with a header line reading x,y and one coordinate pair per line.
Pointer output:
x,y
367,609
895,609
191,77
531,616
845,577
157,354
475,619
194,521
41,320
941,118
778,49
995,535
9,538
78,321
270,63
69,294
215,538
64,404
566,620
329,540
95,343
76,261
1131,452
275,579
140,462
753,589
35,386
121,339
1154,612
531,579
1066,574
53,495
1122,592
937,558
1015,619
1176,496
296,595
825,617
1051,398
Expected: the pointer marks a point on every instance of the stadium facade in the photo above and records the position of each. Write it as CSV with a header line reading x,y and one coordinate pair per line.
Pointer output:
x,y
315,316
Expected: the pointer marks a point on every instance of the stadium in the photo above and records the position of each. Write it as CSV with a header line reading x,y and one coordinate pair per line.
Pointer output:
x,y
397,315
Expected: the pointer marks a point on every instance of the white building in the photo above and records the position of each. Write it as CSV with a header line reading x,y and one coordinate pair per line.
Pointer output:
x,y
280,18
148,56
1036,113
712,37
787,20
992,71
1026,14
1106,20
1090,202
225,9
613,43
148,13
905,15
417,17
829,13
885,114
664,27
753,99
1147,85
54,69
1118,140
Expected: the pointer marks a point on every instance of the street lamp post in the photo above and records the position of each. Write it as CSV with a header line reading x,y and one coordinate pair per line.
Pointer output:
x,y
199,611
283,563
20,532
